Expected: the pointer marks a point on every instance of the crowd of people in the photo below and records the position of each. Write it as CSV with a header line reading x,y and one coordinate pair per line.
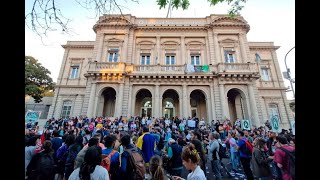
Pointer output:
x,y
155,148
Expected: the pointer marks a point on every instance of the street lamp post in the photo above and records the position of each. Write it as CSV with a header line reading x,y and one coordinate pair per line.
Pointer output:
x,y
288,71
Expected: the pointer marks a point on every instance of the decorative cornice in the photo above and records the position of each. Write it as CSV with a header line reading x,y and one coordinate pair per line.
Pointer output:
x,y
69,86
77,46
272,88
264,47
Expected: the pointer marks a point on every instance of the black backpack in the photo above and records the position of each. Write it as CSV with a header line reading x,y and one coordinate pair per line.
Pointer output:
x,y
292,157
45,165
222,151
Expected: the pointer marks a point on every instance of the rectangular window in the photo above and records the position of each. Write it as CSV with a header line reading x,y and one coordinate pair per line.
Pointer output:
x,y
145,59
113,55
265,74
195,59
273,110
229,56
66,109
170,60
74,74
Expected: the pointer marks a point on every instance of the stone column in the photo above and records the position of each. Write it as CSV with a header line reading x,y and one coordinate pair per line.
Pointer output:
x,y
100,49
185,101
222,100
160,106
125,48
158,50
253,105
182,49
180,107
119,101
95,110
213,107
209,108
243,49
129,113
91,100
216,48
156,107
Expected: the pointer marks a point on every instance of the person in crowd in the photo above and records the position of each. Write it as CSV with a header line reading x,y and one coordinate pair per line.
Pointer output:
x,y
147,144
90,168
233,151
199,147
126,167
190,159
244,156
73,151
30,150
155,168
213,156
281,157
174,155
62,154
80,157
260,160
41,166
109,142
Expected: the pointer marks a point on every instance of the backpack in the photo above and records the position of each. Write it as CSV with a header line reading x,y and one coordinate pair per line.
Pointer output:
x,y
45,165
137,164
72,153
292,157
248,149
222,151
106,161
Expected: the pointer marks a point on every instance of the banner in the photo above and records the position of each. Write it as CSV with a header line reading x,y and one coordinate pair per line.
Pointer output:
x,y
246,124
293,127
275,124
33,116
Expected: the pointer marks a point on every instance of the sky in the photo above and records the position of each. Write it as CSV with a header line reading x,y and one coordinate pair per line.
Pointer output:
x,y
270,21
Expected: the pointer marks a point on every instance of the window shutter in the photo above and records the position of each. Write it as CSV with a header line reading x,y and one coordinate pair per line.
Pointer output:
x,y
226,56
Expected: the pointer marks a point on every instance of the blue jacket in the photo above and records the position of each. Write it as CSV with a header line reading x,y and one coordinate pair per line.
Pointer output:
x,y
115,162
176,156
147,144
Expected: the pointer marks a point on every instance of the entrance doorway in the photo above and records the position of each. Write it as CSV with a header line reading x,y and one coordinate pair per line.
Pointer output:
x,y
237,105
193,112
168,112
198,104
170,103
109,101
143,106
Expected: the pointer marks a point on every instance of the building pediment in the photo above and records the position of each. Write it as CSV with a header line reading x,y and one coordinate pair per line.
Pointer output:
x,y
228,40
144,42
114,20
230,21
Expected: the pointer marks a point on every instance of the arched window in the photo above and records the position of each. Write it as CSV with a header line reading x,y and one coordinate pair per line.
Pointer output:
x,y
66,109
273,110
147,104
258,58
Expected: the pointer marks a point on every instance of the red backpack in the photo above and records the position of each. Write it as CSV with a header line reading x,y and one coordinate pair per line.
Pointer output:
x,y
248,148
106,161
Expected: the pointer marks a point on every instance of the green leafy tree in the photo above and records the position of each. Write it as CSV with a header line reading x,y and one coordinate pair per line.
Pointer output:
x,y
235,9
37,80
45,15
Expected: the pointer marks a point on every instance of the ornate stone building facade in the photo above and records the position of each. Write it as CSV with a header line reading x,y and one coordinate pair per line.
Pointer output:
x,y
166,67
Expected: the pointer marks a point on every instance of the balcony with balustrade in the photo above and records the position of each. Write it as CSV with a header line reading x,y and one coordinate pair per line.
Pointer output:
x,y
235,68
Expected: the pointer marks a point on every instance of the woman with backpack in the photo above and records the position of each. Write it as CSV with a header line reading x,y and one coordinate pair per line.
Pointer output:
x,y
260,161
42,164
90,168
73,151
